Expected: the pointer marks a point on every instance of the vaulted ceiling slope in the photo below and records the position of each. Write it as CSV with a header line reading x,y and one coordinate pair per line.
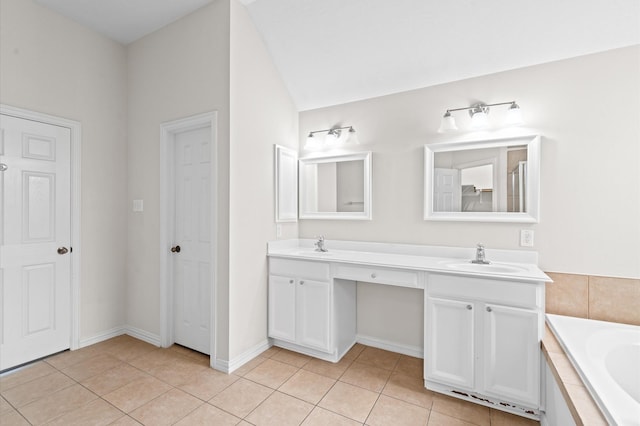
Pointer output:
x,y
335,51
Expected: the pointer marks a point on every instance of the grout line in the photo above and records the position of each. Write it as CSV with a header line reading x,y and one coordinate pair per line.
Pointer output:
x,y
298,369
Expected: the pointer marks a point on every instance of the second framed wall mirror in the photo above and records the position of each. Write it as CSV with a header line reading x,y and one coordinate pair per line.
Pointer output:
x,y
492,180
336,187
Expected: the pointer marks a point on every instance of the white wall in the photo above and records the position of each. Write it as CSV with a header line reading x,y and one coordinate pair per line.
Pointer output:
x,y
587,110
262,115
210,60
52,65
175,72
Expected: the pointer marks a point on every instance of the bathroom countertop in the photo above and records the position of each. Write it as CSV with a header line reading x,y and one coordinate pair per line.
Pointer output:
x,y
438,259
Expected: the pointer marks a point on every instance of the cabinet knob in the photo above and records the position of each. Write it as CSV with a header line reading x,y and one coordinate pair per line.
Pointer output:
x,y
373,275
489,309
301,282
469,307
290,281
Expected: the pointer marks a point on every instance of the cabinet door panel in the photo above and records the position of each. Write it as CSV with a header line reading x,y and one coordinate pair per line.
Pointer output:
x,y
449,355
282,308
313,317
511,354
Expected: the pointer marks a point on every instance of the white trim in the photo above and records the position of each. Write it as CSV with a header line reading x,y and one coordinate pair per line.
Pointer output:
x,y
167,133
543,419
414,351
75,129
281,152
101,337
143,335
129,330
232,365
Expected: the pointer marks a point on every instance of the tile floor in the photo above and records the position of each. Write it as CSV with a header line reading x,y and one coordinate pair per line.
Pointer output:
x,y
124,381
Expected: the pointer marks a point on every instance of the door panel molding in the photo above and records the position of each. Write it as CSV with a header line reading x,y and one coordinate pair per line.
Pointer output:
x,y
168,130
75,129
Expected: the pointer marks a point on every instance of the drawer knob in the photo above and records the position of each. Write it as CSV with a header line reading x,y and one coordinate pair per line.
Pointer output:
x,y
301,282
373,275
489,309
290,281
469,307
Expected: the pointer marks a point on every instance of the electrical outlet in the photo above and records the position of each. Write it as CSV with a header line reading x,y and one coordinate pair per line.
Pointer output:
x,y
526,238
278,231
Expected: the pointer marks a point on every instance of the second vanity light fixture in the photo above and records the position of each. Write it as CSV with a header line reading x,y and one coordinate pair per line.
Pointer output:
x,y
334,137
480,116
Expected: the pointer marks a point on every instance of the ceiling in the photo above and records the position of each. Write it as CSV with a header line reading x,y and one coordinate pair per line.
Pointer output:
x,y
335,51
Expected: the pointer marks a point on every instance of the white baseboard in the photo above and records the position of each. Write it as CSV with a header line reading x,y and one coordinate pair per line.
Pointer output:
x,y
242,359
143,335
118,331
105,335
414,351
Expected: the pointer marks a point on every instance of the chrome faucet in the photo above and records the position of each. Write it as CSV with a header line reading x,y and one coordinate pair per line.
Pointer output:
x,y
480,257
320,244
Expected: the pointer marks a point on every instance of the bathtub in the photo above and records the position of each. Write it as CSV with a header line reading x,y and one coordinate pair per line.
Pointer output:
x,y
606,355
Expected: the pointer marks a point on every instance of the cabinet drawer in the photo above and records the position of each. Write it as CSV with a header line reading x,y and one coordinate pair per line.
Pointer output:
x,y
520,294
299,268
373,274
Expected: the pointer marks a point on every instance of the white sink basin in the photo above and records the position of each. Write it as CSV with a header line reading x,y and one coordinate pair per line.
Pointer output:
x,y
491,268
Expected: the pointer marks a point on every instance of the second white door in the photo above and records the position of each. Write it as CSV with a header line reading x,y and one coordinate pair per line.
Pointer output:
x,y
192,251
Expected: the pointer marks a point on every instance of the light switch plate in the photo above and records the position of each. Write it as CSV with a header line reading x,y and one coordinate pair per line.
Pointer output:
x,y
138,205
526,238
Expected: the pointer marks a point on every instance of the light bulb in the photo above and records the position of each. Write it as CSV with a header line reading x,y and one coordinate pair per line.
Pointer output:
x,y
332,137
447,124
352,139
479,120
313,143
514,116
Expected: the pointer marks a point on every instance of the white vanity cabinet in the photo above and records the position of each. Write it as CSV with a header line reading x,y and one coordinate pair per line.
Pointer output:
x,y
482,340
451,328
304,312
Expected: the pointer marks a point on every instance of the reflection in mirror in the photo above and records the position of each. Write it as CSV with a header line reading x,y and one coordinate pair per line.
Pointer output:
x,y
336,187
482,180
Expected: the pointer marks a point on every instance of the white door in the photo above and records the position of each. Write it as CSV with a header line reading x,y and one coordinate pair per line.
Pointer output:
x,y
449,348
35,256
447,193
282,308
511,354
313,313
192,252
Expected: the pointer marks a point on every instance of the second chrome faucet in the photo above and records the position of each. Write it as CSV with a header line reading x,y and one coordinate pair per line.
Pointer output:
x,y
480,256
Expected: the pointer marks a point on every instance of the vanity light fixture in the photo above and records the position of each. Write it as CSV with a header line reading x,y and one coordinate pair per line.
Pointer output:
x,y
480,116
334,137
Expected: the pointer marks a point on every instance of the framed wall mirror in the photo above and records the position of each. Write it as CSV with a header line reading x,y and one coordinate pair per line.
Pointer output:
x,y
491,180
286,184
336,187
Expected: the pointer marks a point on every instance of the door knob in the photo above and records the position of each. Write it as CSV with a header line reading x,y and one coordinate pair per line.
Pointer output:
x,y
63,250
175,249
